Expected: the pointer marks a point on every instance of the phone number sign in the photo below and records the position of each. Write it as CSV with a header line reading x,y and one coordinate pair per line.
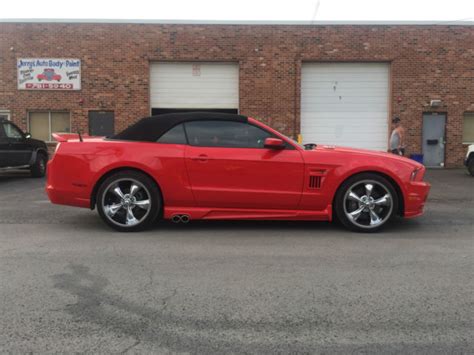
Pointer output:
x,y
49,74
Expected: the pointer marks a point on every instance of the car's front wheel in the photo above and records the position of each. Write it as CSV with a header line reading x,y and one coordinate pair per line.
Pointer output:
x,y
366,202
128,201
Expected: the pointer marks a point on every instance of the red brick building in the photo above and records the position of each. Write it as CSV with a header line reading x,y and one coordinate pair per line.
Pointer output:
x,y
334,83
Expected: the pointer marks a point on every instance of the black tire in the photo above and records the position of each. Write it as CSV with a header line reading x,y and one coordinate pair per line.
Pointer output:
x,y
343,204
38,169
149,192
470,166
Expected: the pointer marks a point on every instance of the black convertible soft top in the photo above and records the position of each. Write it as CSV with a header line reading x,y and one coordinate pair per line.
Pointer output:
x,y
149,129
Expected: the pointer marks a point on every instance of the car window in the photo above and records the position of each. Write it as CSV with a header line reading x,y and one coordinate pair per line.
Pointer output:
x,y
175,135
225,134
11,131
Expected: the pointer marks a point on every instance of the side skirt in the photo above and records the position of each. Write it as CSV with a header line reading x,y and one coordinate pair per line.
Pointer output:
x,y
242,213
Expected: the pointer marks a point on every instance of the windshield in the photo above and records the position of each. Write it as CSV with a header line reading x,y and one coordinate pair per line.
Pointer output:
x,y
295,142
307,146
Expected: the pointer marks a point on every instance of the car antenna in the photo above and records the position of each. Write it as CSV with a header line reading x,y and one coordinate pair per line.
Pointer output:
x,y
80,135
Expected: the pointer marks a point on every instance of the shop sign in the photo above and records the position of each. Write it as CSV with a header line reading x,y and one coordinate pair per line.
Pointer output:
x,y
48,74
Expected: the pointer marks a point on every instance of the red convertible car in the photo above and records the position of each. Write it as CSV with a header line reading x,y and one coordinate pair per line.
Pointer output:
x,y
48,75
222,166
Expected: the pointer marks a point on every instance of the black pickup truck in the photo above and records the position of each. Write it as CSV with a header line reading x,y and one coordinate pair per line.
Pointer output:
x,y
18,150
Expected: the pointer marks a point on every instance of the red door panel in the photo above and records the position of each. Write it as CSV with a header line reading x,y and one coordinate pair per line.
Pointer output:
x,y
245,177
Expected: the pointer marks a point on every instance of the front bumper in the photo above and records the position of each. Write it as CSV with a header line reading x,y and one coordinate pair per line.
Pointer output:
x,y
416,196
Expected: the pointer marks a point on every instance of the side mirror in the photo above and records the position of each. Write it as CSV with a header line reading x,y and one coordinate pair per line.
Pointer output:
x,y
274,143
27,135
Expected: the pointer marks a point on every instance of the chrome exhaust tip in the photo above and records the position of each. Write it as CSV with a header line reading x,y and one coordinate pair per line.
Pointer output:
x,y
180,218
176,218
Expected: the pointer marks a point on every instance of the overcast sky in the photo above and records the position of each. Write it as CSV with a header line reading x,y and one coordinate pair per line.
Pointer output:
x,y
269,10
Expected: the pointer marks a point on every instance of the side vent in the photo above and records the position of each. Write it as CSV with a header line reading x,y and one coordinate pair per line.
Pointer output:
x,y
315,182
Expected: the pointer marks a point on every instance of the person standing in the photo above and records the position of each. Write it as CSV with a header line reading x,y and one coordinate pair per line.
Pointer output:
x,y
397,138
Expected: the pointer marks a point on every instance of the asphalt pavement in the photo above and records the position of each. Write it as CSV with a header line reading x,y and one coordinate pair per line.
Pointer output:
x,y
68,283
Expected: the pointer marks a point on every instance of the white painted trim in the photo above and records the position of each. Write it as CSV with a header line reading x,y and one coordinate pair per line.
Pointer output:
x,y
7,113
243,22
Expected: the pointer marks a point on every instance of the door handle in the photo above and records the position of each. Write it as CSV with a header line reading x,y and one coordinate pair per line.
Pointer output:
x,y
200,157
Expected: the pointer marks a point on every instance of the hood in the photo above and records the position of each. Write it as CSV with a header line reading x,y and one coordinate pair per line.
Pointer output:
x,y
36,142
367,153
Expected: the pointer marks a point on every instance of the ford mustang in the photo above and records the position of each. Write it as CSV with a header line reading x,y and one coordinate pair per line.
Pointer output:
x,y
190,166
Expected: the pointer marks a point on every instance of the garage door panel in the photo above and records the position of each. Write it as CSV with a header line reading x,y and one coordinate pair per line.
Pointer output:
x,y
194,85
346,68
375,102
345,85
345,104
355,116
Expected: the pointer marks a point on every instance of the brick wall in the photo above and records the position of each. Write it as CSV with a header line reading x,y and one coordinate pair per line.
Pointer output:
x,y
427,62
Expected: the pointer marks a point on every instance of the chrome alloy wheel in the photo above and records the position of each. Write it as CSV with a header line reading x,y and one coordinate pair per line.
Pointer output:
x,y
126,202
368,204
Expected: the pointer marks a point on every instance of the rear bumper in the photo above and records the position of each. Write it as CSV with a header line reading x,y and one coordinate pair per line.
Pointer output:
x,y
61,192
417,194
62,197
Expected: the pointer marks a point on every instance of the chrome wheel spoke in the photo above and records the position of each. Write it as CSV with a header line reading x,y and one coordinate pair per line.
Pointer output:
x,y
119,192
130,218
383,201
143,204
368,189
368,204
126,202
374,218
356,213
352,196
111,210
133,189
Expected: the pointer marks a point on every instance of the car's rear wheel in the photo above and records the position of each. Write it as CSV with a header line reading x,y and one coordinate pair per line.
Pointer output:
x,y
470,166
366,202
128,201
38,169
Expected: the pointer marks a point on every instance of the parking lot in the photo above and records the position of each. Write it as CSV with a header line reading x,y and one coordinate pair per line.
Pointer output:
x,y
70,284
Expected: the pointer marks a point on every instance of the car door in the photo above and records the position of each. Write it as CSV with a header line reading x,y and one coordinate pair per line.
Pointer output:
x,y
4,147
19,150
229,167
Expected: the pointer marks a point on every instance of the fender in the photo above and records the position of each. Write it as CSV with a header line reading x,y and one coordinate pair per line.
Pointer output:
x,y
34,154
117,166
400,187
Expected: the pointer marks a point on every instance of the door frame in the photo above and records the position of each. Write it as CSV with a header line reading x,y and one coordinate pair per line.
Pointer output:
x,y
436,113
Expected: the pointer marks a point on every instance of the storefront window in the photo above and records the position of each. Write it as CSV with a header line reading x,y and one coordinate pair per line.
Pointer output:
x,y
43,124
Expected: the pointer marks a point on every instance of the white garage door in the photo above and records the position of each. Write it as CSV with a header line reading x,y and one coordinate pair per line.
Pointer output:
x,y
345,104
194,85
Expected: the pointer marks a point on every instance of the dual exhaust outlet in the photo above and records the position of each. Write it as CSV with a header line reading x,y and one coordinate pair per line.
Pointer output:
x,y
180,218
